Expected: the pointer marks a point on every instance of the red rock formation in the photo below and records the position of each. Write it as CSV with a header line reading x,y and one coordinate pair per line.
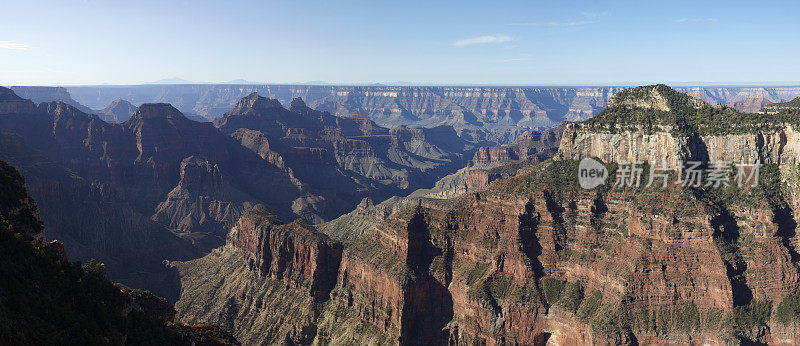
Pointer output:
x,y
294,253
533,146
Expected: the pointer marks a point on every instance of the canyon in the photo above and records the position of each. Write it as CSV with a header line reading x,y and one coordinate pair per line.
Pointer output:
x,y
47,299
476,112
291,225
160,186
532,258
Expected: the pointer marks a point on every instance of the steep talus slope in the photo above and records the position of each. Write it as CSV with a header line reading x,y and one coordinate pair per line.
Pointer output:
x,y
534,258
45,299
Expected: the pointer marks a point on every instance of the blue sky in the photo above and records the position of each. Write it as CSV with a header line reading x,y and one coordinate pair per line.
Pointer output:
x,y
425,42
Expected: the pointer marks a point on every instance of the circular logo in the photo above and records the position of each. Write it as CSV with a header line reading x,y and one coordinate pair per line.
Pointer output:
x,y
591,173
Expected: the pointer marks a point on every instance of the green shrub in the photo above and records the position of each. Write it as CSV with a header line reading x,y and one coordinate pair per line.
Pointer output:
x,y
755,314
571,296
789,309
589,305
552,289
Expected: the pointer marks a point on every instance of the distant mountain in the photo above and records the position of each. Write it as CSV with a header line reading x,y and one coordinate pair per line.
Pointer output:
x,y
173,81
118,111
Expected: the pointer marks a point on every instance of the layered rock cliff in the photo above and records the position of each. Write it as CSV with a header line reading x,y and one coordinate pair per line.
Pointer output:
x,y
532,146
268,284
665,134
534,258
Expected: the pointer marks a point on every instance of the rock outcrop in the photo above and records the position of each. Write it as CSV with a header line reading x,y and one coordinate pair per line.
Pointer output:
x,y
202,201
271,280
118,111
532,146
681,138
295,253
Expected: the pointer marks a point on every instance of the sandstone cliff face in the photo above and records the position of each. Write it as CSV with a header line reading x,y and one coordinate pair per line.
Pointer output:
x,y
270,280
295,253
772,146
638,146
676,127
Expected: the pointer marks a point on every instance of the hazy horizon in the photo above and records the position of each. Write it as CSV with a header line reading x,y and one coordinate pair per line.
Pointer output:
x,y
766,84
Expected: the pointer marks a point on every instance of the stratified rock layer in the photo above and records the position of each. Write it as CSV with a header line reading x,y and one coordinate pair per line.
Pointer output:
x,y
534,258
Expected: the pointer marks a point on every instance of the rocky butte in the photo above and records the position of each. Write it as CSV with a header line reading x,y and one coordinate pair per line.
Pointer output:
x,y
533,258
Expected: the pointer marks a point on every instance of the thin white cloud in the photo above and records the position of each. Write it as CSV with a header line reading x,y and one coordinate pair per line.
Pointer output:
x,y
485,39
12,45
522,58
594,14
696,20
556,24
